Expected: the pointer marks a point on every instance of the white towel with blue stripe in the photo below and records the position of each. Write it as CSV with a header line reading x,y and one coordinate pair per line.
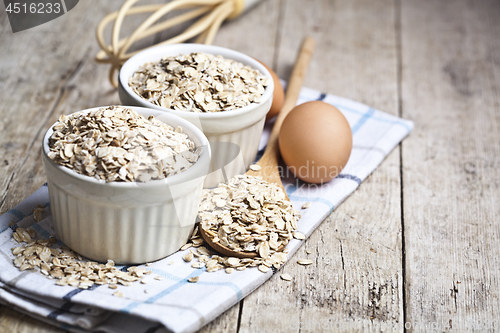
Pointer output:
x,y
173,304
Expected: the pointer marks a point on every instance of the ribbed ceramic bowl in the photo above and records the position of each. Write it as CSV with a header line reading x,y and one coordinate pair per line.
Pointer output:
x,y
128,222
241,127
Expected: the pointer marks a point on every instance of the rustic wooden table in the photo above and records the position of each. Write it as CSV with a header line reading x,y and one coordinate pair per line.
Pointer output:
x,y
416,246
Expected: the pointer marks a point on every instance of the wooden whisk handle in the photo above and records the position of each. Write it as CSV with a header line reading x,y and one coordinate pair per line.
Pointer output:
x,y
292,92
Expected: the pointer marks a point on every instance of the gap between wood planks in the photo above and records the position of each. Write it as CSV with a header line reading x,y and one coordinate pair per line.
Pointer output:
x,y
399,59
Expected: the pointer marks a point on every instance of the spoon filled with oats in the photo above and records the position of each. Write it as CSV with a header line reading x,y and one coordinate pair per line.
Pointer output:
x,y
251,215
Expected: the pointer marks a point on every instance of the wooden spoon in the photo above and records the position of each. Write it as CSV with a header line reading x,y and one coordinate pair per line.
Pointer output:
x,y
269,170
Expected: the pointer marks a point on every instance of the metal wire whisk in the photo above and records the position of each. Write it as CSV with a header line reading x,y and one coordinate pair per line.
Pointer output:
x,y
210,14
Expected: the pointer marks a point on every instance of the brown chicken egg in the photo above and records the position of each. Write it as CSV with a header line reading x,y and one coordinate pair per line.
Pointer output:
x,y
315,141
278,95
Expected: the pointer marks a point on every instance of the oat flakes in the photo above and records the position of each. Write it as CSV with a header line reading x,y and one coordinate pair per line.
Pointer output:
x,y
198,82
118,144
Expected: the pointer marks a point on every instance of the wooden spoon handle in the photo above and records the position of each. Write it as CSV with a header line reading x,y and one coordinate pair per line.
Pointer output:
x,y
292,93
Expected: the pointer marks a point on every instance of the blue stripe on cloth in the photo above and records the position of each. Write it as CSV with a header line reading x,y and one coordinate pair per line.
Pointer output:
x,y
351,177
291,188
76,291
163,293
64,308
321,97
20,215
239,294
17,213
45,233
68,305
41,231
181,282
260,153
390,121
166,275
363,120
12,227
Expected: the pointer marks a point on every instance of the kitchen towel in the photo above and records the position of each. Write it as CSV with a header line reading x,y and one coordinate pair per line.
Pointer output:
x,y
174,304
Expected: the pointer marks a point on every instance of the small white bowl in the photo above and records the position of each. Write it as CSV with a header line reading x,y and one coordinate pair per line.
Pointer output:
x,y
128,222
242,127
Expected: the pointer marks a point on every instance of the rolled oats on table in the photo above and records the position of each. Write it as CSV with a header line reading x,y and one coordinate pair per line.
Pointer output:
x,y
198,82
304,262
65,266
118,144
245,214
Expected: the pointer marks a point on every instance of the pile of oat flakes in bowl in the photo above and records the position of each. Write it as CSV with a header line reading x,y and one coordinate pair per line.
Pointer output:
x,y
198,82
118,144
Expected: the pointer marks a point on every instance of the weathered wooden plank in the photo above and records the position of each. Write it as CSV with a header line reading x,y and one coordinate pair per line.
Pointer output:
x,y
355,282
451,89
33,86
254,32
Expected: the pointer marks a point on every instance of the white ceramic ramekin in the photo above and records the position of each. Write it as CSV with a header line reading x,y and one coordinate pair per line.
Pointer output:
x,y
128,222
242,127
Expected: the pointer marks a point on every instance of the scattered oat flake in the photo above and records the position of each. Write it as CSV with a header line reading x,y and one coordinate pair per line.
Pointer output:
x,y
194,279
263,268
304,262
255,167
188,256
159,278
118,294
229,270
37,213
186,246
308,252
148,264
299,235
21,235
286,277
146,291
306,205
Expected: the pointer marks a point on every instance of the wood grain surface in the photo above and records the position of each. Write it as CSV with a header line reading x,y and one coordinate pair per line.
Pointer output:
x,y
450,165
415,248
